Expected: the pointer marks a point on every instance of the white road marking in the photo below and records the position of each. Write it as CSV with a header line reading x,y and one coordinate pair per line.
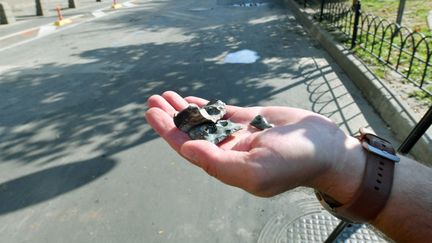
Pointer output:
x,y
128,4
19,33
76,16
98,13
46,30
41,36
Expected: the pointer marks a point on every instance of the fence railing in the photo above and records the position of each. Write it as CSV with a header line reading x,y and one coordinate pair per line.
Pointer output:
x,y
406,52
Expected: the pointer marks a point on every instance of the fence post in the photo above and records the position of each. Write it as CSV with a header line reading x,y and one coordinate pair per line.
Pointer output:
x,y
40,8
72,3
357,12
416,133
6,15
322,10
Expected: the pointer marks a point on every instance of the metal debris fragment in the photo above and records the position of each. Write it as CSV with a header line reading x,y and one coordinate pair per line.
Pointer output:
x,y
214,132
205,123
261,123
193,115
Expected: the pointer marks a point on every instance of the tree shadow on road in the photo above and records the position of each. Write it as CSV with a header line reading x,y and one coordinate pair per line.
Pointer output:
x,y
95,107
47,184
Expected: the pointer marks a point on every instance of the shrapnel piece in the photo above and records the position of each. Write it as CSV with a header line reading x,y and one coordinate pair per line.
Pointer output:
x,y
261,123
188,118
214,132
215,108
193,115
205,123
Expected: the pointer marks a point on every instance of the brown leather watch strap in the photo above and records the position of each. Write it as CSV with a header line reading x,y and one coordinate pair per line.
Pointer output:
x,y
374,189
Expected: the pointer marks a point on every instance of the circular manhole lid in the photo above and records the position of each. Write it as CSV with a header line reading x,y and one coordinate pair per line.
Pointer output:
x,y
307,221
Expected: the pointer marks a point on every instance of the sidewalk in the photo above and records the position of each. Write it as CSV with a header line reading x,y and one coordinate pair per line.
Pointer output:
x,y
26,18
78,163
29,27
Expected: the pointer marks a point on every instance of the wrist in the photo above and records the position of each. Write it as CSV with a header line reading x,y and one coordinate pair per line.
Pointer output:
x,y
344,176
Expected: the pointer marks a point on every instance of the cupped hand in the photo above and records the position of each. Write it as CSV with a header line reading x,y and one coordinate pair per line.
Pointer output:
x,y
299,151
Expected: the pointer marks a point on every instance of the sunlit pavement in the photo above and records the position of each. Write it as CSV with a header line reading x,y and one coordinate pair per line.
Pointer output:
x,y
78,163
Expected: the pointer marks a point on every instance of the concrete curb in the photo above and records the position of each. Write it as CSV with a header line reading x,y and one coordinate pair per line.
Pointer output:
x,y
396,113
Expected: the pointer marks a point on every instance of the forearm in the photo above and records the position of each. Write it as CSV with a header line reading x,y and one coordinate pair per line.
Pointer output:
x,y
407,216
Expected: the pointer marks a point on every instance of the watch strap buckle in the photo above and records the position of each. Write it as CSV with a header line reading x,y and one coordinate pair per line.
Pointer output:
x,y
377,145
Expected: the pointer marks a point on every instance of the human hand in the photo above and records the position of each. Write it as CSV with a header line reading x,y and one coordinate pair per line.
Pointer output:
x,y
303,149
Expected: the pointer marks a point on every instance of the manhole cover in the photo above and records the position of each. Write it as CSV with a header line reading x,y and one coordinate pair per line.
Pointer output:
x,y
307,221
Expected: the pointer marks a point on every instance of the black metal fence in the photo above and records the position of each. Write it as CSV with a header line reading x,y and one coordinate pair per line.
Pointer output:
x,y
404,51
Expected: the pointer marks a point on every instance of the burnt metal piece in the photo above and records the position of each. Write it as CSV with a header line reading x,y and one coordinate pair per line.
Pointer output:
x,y
215,108
205,123
261,123
214,132
193,115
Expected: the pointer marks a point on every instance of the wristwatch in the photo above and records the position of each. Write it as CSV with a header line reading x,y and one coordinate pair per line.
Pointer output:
x,y
376,184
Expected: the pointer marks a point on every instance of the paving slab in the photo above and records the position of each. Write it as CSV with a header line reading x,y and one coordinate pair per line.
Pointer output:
x,y
78,163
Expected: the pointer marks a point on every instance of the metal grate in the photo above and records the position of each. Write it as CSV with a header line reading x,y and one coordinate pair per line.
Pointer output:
x,y
317,227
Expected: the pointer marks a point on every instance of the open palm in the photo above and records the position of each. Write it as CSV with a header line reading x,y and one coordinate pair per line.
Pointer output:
x,y
302,146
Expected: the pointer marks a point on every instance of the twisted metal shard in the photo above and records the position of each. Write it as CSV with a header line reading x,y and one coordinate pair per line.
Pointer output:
x,y
261,123
205,123
193,115
214,132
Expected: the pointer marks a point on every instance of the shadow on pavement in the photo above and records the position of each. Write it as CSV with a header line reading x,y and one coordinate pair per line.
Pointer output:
x,y
95,103
47,184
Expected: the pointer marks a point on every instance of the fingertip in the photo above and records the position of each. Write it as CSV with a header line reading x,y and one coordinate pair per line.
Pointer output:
x,y
158,119
169,93
153,100
196,100
150,113
175,100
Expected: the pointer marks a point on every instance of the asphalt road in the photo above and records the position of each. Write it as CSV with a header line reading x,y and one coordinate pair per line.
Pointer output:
x,y
78,163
